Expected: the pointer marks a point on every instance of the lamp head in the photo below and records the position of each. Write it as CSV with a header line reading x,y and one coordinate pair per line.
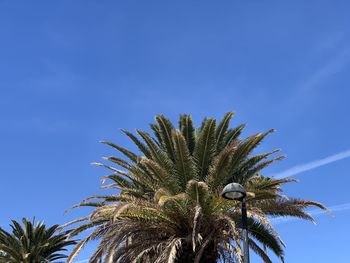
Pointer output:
x,y
234,191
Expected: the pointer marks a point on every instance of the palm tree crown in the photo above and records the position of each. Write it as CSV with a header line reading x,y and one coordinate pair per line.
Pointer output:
x,y
32,243
168,207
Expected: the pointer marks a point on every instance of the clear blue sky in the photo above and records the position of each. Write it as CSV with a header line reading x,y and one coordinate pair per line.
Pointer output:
x,y
73,72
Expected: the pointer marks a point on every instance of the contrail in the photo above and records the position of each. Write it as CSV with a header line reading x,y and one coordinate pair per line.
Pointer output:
x,y
313,213
332,67
312,165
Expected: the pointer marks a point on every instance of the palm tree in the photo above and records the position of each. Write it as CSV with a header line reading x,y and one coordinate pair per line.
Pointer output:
x,y
167,206
32,243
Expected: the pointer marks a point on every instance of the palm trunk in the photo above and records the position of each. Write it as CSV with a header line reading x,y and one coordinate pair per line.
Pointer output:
x,y
187,255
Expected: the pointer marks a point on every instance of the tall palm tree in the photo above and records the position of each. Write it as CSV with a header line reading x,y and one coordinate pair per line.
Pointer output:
x,y
167,206
32,243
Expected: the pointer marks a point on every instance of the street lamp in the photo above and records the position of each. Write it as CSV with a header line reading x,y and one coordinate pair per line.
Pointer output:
x,y
234,191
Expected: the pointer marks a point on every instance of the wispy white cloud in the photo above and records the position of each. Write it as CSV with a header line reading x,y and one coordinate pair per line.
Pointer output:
x,y
312,165
335,208
313,213
329,43
333,66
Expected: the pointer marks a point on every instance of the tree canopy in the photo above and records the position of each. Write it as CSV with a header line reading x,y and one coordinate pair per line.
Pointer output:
x,y
32,243
167,204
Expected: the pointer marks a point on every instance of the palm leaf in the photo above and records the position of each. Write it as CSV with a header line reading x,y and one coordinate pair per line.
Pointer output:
x,y
205,148
142,147
183,160
221,131
188,131
165,131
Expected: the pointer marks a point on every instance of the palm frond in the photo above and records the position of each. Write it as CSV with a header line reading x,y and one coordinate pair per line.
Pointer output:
x,y
221,131
205,148
166,129
183,160
142,147
127,153
188,131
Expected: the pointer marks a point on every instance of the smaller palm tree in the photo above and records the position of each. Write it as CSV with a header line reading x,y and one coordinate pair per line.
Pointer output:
x,y
32,243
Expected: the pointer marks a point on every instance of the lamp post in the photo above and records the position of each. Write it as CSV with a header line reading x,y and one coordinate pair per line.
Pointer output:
x,y
234,191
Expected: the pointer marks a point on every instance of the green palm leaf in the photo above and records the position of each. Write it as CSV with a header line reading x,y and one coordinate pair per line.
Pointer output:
x,y
205,148
221,131
188,131
185,166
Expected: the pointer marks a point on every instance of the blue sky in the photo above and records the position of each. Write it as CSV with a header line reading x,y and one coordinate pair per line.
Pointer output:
x,y
73,72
